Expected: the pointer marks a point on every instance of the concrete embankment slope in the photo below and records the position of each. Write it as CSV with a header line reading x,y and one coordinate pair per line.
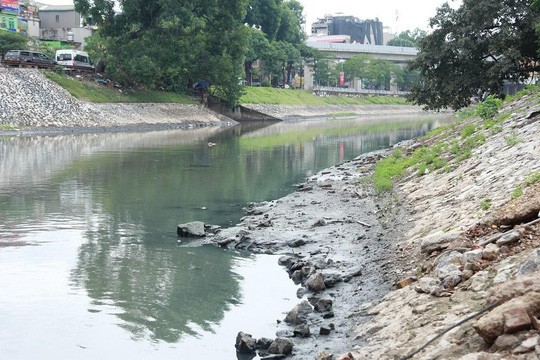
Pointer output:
x,y
460,243
473,246
286,112
29,99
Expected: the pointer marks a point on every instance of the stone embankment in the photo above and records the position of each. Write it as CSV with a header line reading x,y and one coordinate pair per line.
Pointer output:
x,y
28,99
287,112
447,267
474,246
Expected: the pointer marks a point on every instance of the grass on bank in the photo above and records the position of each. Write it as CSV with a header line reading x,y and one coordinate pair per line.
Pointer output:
x,y
97,93
447,146
268,95
529,181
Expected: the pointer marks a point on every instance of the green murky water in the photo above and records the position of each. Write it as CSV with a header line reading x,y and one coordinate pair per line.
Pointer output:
x,y
89,263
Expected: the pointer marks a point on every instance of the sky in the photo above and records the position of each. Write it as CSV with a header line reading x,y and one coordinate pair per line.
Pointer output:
x,y
398,15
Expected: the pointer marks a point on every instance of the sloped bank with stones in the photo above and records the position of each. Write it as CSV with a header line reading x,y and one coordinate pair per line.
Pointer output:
x,y
29,100
471,258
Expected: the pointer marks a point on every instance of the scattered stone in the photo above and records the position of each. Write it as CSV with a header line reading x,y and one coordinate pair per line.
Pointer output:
x,y
508,317
451,281
323,305
516,320
325,355
490,252
346,356
505,342
527,345
427,285
438,241
281,346
467,274
191,229
264,343
320,222
328,315
296,243
509,238
287,260
330,280
325,330
302,330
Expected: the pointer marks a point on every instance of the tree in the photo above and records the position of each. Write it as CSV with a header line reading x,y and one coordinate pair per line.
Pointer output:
x,y
474,49
408,38
265,14
11,41
258,47
374,73
169,44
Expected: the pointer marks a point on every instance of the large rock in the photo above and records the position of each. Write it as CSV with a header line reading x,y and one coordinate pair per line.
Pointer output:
x,y
281,346
245,343
519,210
299,314
438,241
509,317
191,229
316,282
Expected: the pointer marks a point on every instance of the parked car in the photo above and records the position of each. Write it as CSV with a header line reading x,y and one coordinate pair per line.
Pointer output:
x,y
28,58
74,60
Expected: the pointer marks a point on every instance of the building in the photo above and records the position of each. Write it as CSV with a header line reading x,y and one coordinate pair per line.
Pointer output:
x,y
62,23
360,31
9,16
29,19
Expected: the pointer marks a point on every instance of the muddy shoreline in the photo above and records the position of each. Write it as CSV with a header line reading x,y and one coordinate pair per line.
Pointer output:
x,y
330,228
446,266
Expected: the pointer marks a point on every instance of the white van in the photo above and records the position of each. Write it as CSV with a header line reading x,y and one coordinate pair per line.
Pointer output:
x,y
73,59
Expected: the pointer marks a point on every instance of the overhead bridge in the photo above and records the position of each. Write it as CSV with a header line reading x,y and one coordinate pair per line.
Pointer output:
x,y
395,54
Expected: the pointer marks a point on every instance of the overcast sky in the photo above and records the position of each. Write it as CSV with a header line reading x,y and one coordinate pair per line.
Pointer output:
x,y
398,15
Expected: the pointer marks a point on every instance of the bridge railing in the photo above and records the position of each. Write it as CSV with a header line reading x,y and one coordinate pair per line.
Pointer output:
x,y
335,90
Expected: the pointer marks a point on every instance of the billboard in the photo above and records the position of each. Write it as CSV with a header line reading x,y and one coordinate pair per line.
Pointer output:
x,y
10,5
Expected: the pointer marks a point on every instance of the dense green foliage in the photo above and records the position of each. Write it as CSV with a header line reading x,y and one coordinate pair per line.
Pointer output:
x,y
276,38
408,38
11,41
474,49
170,44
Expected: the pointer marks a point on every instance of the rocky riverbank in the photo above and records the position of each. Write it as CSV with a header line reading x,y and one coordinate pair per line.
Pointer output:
x,y
444,267
29,100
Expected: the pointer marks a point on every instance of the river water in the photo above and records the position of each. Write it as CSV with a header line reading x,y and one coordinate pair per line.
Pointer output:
x,y
90,266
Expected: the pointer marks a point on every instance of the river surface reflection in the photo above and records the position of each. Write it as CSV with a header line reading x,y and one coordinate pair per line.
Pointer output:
x,y
89,263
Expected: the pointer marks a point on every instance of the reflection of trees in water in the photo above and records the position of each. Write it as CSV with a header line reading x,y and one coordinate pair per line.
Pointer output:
x,y
160,288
